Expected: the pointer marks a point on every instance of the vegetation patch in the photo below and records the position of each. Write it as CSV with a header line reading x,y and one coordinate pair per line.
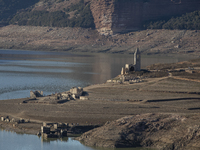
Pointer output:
x,y
83,17
188,21
8,8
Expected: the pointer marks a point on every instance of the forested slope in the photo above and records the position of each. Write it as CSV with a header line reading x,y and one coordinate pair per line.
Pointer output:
x,y
8,8
76,13
189,21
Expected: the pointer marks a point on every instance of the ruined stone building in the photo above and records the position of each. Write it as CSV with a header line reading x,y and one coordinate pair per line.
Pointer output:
x,y
114,16
133,67
76,92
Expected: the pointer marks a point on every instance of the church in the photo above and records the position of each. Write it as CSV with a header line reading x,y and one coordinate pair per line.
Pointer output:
x,y
133,67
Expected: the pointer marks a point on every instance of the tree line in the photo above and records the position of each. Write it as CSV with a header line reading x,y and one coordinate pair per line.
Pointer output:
x,y
82,18
188,21
20,12
8,8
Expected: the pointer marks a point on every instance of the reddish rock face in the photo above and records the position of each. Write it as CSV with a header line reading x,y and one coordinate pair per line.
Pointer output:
x,y
113,16
102,11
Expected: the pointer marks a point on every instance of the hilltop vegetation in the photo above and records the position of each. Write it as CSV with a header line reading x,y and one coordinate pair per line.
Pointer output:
x,y
9,7
76,13
82,17
23,12
189,21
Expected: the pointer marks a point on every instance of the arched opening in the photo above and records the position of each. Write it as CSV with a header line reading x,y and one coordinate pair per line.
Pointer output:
x,y
132,68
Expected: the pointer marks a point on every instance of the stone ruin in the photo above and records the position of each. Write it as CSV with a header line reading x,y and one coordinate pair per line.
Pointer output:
x,y
35,94
74,93
15,121
133,67
128,69
58,130
53,130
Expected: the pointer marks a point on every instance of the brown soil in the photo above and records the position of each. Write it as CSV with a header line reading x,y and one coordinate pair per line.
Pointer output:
x,y
88,40
108,102
174,95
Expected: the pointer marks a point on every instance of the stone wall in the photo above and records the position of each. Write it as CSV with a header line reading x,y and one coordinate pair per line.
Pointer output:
x,y
112,16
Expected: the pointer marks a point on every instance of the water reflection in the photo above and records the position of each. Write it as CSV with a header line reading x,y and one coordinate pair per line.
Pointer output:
x,y
49,140
23,71
11,140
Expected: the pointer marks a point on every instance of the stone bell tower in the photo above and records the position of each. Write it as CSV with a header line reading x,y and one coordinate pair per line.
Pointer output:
x,y
133,67
137,60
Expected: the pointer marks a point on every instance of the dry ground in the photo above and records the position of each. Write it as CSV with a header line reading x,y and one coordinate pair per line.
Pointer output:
x,y
109,102
178,94
88,40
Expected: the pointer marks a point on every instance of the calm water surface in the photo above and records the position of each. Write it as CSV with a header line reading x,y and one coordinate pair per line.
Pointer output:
x,y
14,141
23,71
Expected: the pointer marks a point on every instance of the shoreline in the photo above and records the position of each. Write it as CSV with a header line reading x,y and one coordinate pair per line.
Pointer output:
x,y
85,40
166,89
93,98
21,130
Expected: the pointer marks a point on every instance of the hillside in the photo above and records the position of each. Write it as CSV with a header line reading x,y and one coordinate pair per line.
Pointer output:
x,y
8,8
45,25
189,21
111,16
89,40
57,13
117,16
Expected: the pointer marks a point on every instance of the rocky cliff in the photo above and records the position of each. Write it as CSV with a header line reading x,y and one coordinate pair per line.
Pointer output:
x,y
112,16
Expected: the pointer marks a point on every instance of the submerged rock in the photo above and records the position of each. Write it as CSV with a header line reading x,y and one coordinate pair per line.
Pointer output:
x,y
162,131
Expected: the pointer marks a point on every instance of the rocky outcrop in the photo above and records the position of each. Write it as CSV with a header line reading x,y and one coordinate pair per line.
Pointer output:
x,y
102,12
162,131
113,16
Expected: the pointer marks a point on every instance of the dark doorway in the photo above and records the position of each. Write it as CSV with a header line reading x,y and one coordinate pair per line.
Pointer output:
x,y
132,68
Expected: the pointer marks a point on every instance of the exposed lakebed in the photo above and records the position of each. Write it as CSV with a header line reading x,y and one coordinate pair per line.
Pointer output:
x,y
22,71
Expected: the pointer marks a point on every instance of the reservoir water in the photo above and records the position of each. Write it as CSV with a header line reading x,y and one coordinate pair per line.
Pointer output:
x,y
50,72
23,71
14,141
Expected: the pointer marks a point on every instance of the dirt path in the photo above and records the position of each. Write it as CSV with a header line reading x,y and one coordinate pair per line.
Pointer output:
x,y
185,79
